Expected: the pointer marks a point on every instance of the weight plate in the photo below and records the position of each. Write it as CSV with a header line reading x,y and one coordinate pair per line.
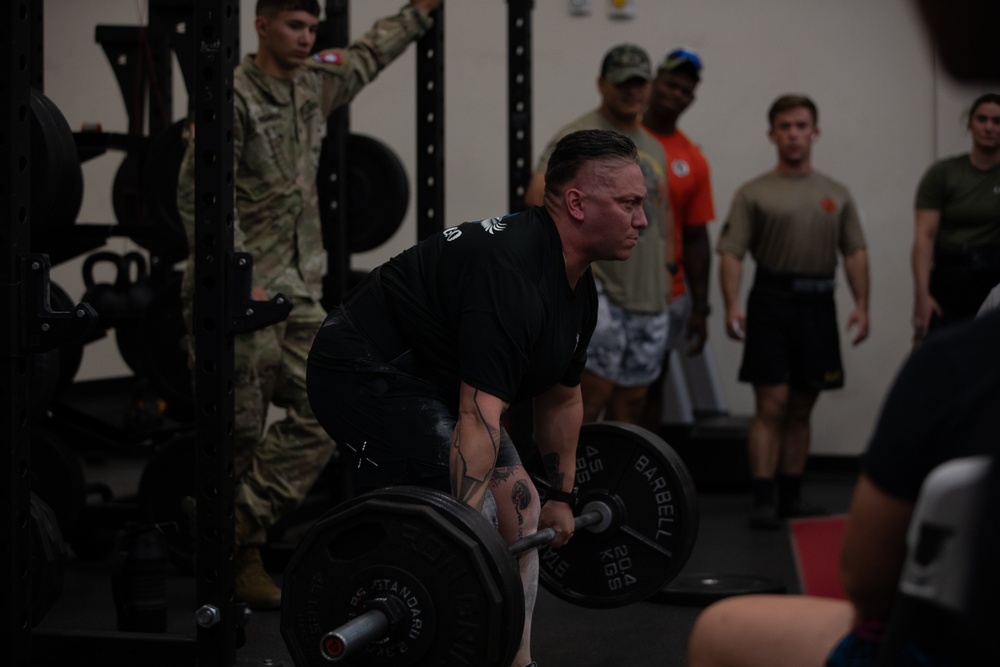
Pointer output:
x,y
652,495
55,168
48,559
69,174
167,478
504,568
378,192
373,541
126,193
703,588
57,477
43,382
159,192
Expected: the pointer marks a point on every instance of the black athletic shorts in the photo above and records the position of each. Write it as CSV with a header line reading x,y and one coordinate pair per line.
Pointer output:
x,y
960,291
792,337
391,425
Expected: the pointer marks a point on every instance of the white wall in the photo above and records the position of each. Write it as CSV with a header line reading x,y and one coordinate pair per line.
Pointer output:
x,y
886,111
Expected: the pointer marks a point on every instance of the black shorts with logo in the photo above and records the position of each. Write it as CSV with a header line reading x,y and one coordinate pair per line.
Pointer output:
x,y
791,332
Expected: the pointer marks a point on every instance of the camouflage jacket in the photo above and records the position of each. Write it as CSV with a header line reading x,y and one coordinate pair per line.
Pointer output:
x,y
278,130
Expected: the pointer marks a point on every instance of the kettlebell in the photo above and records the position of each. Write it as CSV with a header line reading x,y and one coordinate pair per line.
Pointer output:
x,y
110,300
137,289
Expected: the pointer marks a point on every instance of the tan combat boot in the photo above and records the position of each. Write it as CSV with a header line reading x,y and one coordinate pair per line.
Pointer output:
x,y
254,585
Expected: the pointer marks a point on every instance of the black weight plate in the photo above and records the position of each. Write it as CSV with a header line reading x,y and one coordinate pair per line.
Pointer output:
x,y
126,195
43,382
70,174
378,192
48,559
167,478
703,588
159,192
132,347
504,568
57,477
635,471
371,539
163,339
56,177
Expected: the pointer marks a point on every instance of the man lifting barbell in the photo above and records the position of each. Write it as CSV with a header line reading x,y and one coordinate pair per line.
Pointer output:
x,y
412,374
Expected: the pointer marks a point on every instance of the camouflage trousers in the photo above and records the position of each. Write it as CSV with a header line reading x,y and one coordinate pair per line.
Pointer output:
x,y
277,467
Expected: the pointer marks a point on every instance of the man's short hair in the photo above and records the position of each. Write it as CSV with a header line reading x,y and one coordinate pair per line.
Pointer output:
x,y
270,8
578,148
789,102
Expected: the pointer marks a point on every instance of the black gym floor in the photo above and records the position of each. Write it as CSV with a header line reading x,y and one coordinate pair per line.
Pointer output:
x,y
651,633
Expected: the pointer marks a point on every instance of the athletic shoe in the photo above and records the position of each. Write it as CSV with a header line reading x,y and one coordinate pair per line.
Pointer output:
x,y
764,517
798,509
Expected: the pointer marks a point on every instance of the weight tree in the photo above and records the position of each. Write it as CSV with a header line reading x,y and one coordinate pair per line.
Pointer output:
x,y
222,308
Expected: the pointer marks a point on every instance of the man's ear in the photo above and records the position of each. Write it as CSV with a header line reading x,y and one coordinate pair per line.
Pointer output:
x,y
574,203
260,25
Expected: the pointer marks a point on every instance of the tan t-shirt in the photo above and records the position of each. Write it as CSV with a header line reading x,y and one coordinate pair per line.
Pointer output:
x,y
792,224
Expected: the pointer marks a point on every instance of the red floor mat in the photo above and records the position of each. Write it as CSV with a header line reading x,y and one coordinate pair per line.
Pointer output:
x,y
816,546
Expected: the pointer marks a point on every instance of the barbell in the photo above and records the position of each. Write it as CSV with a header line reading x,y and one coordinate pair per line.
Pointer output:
x,y
408,575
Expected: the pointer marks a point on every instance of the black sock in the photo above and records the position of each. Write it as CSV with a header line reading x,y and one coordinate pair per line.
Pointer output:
x,y
789,489
763,491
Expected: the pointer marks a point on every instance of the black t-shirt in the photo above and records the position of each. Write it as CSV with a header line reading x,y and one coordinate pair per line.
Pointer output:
x,y
944,404
488,303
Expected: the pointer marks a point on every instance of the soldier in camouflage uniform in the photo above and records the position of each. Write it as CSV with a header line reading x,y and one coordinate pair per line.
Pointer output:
x,y
282,98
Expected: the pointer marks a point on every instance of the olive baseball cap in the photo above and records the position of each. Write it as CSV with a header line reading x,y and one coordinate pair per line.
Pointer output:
x,y
624,62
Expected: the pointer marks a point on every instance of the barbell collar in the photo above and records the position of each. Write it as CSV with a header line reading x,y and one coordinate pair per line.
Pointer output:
x,y
357,632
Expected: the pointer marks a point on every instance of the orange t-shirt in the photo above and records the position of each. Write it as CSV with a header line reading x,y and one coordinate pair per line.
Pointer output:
x,y
690,190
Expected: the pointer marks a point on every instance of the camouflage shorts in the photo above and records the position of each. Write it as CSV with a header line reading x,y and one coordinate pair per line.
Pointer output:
x,y
627,347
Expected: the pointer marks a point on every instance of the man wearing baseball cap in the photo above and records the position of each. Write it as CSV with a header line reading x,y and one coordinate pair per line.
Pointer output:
x,y
673,91
627,350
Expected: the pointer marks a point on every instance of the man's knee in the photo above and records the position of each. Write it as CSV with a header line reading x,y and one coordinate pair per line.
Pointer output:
x,y
627,404
771,403
595,391
800,405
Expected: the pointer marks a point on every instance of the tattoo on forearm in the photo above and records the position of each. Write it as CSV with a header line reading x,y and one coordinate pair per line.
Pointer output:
x,y
521,497
550,462
464,483
494,431
501,475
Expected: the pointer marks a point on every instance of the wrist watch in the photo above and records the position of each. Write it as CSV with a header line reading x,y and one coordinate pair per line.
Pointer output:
x,y
568,497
